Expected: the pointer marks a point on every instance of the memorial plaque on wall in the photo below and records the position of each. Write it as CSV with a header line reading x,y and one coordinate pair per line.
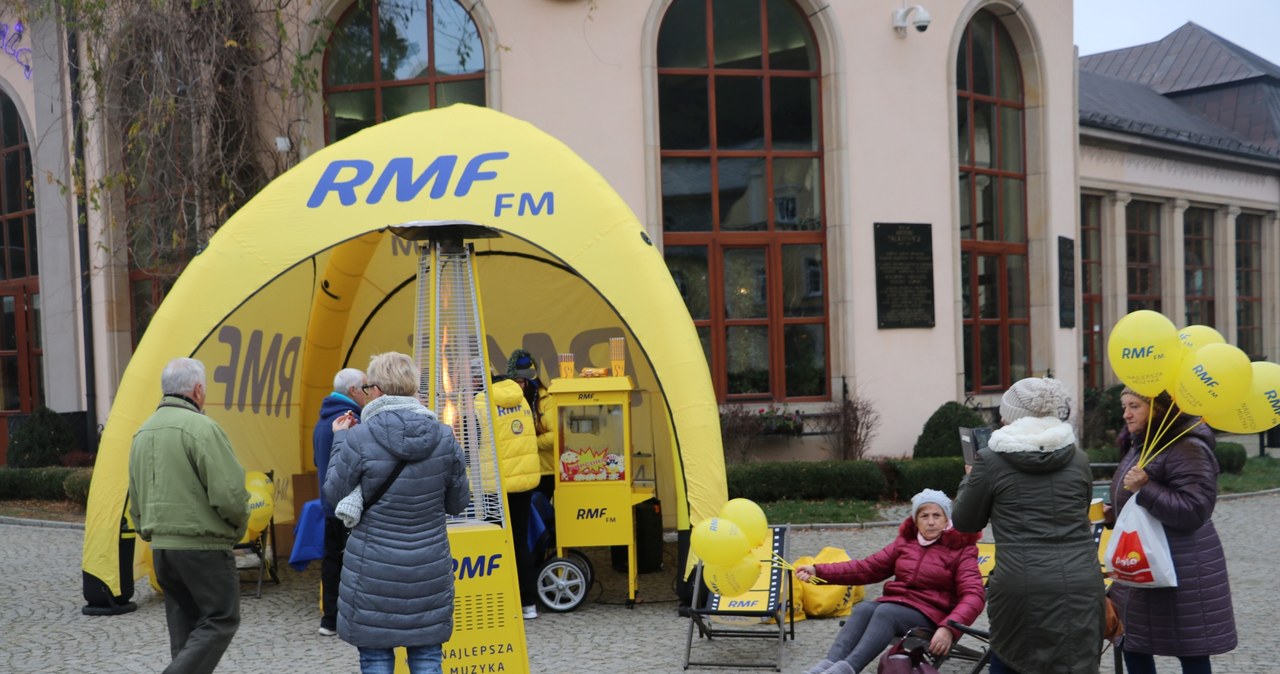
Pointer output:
x,y
904,275
1066,282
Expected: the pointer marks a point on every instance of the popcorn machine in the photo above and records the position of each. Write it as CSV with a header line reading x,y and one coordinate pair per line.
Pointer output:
x,y
595,494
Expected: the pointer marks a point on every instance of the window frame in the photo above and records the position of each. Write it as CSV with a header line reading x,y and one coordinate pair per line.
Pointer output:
x,y
1204,302
717,241
1153,301
432,80
1250,335
973,248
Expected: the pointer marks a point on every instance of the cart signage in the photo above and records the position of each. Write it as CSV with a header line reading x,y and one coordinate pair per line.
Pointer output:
x,y
480,565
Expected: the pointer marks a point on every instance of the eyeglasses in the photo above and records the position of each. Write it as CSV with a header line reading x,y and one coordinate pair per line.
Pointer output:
x,y
366,387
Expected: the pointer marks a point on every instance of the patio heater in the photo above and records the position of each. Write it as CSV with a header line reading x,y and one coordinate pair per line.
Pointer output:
x,y
449,338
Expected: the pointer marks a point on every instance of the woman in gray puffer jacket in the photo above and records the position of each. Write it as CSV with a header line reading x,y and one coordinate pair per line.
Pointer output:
x,y
1179,487
397,572
1045,596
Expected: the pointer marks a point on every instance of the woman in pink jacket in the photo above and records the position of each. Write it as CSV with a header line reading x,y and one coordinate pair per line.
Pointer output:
x,y
935,579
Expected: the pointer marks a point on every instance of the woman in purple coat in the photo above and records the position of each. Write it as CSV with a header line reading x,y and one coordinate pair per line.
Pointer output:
x,y
1179,487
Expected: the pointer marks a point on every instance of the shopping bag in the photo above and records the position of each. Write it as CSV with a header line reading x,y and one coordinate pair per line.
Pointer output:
x,y
1138,552
897,660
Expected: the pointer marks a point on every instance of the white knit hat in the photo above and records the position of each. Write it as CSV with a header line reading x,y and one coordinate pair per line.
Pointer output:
x,y
931,496
1035,397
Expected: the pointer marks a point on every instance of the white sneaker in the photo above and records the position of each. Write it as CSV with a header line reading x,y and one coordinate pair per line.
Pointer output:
x,y
326,632
530,612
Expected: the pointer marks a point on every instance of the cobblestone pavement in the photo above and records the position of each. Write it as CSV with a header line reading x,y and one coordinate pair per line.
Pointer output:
x,y
42,629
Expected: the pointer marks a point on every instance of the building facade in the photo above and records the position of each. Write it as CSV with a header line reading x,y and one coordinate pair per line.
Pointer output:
x,y
904,204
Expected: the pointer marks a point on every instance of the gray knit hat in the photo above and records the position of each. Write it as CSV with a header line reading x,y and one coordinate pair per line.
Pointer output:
x,y
1035,397
931,496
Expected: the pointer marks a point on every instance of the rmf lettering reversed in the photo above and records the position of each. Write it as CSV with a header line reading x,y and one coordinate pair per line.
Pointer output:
x,y
259,374
480,565
1274,399
343,176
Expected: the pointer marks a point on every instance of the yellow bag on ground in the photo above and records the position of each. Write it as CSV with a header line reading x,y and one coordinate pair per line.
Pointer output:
x,y
825,600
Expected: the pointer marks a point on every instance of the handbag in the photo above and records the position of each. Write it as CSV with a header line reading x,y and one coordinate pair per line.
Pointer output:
x,y
1138,553
898,660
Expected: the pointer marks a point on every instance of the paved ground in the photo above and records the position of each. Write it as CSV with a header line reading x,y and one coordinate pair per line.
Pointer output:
x,y
42,630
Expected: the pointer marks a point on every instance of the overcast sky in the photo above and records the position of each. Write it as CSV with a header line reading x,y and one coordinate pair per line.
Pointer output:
x,y
1103,25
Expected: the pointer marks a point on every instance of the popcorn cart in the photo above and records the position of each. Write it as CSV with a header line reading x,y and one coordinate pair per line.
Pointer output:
x,y
594,497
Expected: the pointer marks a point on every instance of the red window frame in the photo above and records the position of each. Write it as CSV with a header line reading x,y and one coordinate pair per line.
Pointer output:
x,y
1199,285
1091,328
1249,334
431,77
714,329
1012,315
1142,255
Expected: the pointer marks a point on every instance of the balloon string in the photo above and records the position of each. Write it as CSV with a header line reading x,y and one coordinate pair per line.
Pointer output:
x,y
1149,459
1151,441
781,562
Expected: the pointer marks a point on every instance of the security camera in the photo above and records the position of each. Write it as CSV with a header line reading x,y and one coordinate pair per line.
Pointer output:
x,y
918,16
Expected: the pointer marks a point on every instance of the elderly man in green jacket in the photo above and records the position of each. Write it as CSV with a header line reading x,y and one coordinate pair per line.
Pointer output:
x,y
188,499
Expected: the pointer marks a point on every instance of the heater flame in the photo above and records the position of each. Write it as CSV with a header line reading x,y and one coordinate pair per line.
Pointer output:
x,y
450,411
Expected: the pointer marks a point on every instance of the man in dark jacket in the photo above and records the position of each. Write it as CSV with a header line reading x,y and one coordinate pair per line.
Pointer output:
x,y
348,397
188,499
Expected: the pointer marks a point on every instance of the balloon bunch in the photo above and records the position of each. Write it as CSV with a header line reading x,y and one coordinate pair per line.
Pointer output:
x,y
1204,376
726,546
261,503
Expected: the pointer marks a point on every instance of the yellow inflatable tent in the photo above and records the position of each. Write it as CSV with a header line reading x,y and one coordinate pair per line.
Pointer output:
x,y
307,279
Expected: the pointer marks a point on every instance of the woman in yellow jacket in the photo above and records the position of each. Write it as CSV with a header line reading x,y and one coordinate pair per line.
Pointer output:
x,y
517,443
521,368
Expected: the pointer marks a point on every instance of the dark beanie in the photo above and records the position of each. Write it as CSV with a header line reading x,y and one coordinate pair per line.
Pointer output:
x,y
521,365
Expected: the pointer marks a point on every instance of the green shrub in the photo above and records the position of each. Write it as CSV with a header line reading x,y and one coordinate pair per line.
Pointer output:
x,y
33,483
1104,454
40,440
774,481
76,486
908,477
1231,457
1102,417
941,434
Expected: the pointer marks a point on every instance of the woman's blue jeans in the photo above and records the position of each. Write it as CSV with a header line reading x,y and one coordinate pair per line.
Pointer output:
x,y
422,660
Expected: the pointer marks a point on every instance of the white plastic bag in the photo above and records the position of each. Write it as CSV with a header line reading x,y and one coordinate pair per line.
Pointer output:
x,y
1138,553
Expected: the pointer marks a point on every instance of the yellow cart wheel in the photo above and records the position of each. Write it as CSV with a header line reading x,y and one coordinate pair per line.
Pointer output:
x,y
562,584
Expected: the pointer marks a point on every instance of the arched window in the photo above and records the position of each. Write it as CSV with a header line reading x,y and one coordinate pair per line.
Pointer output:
x,y
21,351
742,205
993,208
387,59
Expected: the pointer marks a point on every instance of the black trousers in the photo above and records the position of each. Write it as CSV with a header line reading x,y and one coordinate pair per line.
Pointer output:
x,y
526,565
335,543
201,606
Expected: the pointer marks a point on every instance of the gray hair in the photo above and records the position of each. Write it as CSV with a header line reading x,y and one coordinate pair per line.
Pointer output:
x,y
347,378
395,373
181,376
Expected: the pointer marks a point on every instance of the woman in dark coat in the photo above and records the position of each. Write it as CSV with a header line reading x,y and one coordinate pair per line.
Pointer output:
x,y
1179,487
1045,595
935,580
397,573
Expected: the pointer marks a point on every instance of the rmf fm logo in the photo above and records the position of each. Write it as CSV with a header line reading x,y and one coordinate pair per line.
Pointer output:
x,y
595,514
478,566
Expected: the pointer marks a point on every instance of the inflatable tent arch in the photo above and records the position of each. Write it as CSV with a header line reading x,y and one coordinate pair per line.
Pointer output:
x,y
306,279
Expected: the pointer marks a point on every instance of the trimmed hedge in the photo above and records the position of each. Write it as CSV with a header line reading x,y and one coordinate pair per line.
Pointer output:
x,y
34,483
41,440
910,477
76,486
773,481
1231,456
941,433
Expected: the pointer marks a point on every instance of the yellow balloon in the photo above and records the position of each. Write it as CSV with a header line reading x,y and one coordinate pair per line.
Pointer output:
x,y
749,517
1213,379
261,503
1194,337
732,580
718,541
1144,350
1260,408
